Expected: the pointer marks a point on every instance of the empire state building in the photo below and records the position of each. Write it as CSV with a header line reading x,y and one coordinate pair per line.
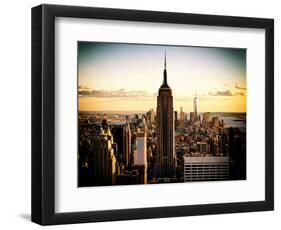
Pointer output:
x,y
165,154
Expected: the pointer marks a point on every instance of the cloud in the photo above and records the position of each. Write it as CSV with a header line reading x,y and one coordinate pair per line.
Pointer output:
x,y
226,93
240,87
221,93
240,94
83,87
120,93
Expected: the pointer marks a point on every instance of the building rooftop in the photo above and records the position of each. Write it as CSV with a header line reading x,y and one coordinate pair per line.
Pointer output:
x,y
210,159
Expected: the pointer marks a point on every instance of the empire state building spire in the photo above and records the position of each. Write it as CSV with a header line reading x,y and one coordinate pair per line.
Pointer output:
x,y
165,64
165,83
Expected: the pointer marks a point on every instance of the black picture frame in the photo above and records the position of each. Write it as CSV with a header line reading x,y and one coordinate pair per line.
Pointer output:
x,y
43,114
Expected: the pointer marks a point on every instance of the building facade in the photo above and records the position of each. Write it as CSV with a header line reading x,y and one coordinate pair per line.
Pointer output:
x,y
195,107
206,122
103,160
140,156
122,137
192,117
165,154
206,168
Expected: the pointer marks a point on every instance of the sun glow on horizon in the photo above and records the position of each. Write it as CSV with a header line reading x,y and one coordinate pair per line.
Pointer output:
x,y
126,77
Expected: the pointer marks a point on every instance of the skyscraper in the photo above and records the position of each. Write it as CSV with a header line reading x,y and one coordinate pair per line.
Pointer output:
x,y
140,158
192,117
181,114
206,119
140,152
195,105
176,120
122,137
165,154
103,158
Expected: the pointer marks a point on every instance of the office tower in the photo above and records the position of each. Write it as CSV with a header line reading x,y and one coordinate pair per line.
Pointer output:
x,y
195,107
103,158
165,154
122,137
206,119
192,117
207,168
213,148
176,120
185,117
203,148
215,122
127,144
152,115
144,122
150,118
222,123
140,156
231,148
240,157
181,114
237,155
117,132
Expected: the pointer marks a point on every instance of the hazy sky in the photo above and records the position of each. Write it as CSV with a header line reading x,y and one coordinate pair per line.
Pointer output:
x,y
126,77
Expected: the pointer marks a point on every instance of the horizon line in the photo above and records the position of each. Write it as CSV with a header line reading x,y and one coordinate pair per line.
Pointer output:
x,y
134,111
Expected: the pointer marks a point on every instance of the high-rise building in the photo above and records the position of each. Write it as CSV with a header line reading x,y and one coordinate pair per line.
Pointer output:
x,y
203,147
195,107
152,115
165,154
207,168
144,122
176,120
206,119
237,155
140,156
103,158
213,148
215,122
231,149
122,137
181,114
192,117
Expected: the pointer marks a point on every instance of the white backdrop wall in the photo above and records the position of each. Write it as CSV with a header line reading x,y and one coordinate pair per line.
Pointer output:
x,y
15,116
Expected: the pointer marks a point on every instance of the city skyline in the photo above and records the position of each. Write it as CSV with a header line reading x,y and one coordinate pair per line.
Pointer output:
x,y
158,146
125,77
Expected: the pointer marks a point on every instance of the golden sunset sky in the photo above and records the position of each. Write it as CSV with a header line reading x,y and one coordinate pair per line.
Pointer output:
x,y
126,77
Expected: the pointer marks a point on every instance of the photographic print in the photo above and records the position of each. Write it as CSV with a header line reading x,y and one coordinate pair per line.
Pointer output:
x,y
150,114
